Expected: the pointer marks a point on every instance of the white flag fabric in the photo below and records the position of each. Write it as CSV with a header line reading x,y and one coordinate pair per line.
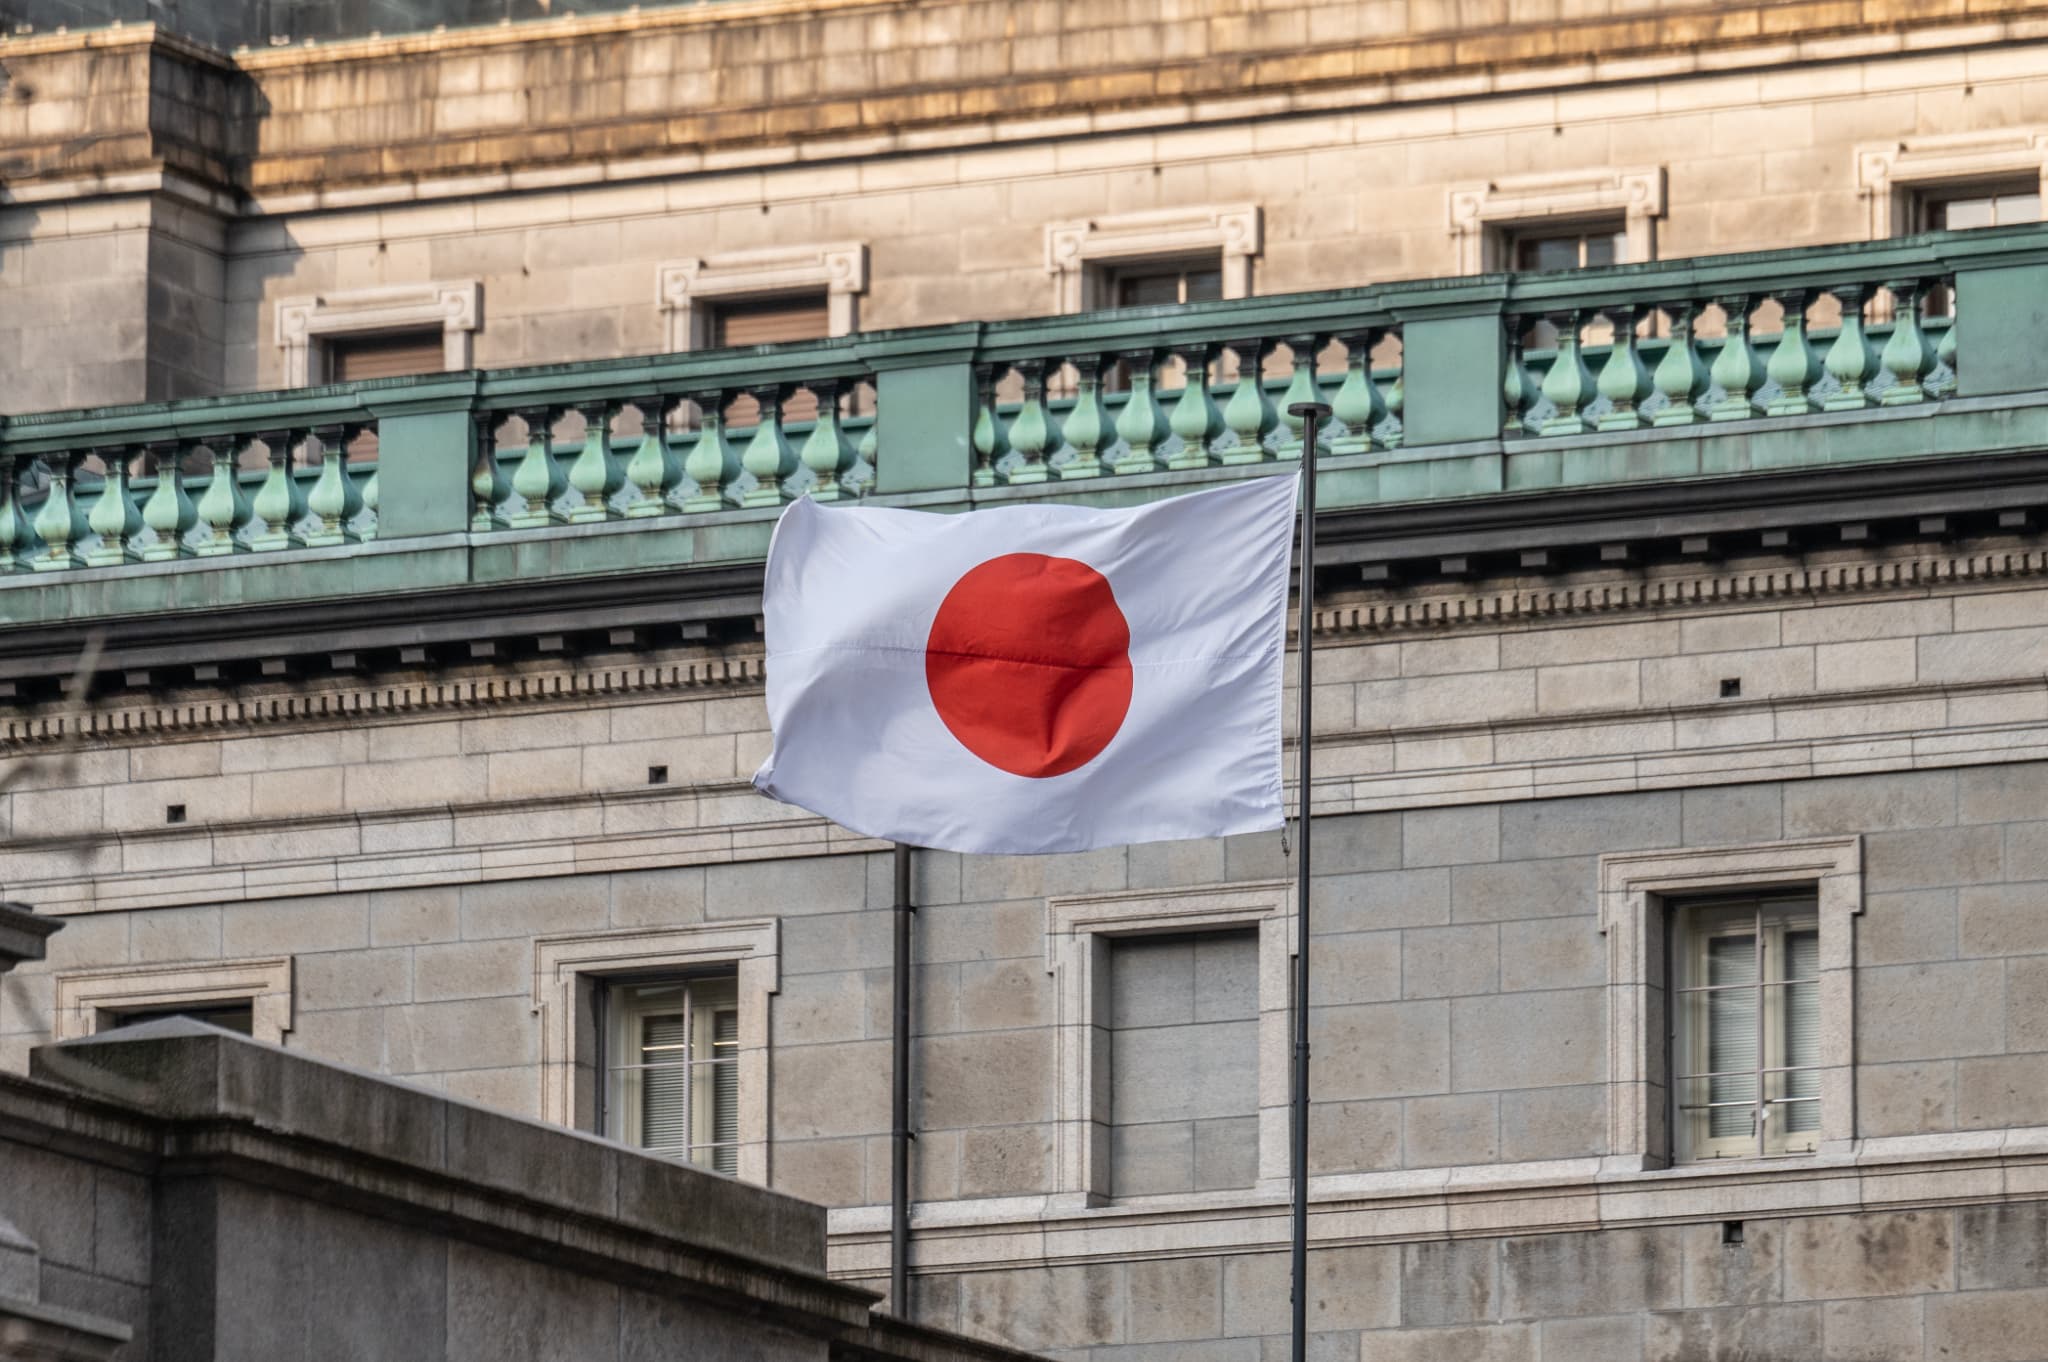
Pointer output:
x,y
1031,679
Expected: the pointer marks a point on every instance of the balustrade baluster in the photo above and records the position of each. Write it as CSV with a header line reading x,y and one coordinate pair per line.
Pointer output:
x,y
595,474
827,452
1946,353
1519,389
335,498
539,479
1397,401
870,454
1195,418
1851,359
489,491
222,508
1738,368
714,465
114,516
280,502
1569,384
1034,434
1250,413
1793,366
1624,378
1907,354
61,523
1142,423
1682,375
369,495
1085,425
1301,387
769,457
169,512
654,470
17,536
1357,404
991,442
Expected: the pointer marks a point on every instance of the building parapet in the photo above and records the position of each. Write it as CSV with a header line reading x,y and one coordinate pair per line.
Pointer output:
x,y
1450,422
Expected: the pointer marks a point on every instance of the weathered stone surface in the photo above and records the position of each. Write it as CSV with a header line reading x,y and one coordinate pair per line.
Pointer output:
x,y
1905,1099
1987,1326
2008,1090
1576,827
1894,1254
1720,1273
1448,961
1740,1332
1046,1307
2002,1247
1522,889
1872,1330
1590,1274
1175,1298
1440,1132
1380,1050
1528,1040
1453,1281
1930,1011
1349,1288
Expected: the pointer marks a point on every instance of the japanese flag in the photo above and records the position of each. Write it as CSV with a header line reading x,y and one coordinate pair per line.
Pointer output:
x,y
1032,678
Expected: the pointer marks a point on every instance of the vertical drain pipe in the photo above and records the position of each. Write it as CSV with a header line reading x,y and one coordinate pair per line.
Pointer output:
x,y
899,1099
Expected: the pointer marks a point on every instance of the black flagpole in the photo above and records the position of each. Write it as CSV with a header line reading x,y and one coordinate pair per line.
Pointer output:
x,y
1312,415
899,1098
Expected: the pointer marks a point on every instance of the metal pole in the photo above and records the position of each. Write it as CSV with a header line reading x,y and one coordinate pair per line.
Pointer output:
x,y
899,1099
1312,415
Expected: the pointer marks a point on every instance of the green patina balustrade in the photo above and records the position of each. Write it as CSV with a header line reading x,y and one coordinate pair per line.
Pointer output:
x,y
1495,384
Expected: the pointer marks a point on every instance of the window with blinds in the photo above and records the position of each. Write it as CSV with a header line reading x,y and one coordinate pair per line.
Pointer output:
x,y
672,1069
769,321
1746,1028
352,358
1159,282
1537,250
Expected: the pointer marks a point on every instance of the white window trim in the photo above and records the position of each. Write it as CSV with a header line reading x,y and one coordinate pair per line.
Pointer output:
x,y
566,967
1077,251
1634,889
304,323
85,997
1078,932
1890,173
839,270
1483,214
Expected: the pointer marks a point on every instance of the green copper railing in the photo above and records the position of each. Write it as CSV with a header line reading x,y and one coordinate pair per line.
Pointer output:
x,y
1487,384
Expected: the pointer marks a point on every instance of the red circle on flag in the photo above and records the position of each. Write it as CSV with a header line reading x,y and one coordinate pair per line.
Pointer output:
x,y
1029,665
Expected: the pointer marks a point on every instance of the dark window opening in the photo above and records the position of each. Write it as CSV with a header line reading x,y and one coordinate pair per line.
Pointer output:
x,y
351,359
239,1017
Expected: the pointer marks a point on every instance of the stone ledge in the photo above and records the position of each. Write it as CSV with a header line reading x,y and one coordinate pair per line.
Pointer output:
x,y
227,1095
1421,1205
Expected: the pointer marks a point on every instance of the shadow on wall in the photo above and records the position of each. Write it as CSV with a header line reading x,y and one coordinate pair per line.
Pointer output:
x,y
228,24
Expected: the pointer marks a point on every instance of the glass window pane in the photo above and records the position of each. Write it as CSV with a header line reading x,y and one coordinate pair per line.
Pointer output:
x,y
1205,286
1603,248
2023,207
1732,1035
1547,253
1962,214
1147,290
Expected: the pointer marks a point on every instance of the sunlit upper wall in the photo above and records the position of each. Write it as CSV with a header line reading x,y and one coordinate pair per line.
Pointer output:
x,y
230,24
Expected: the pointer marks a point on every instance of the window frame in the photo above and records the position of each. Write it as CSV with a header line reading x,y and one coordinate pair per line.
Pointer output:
x,y
1897,175
688,290
86,999
1484,216
1513,236
570,976
1114,273
1078,932
1636,890
1691,1032
305,323
613,1028
1081,255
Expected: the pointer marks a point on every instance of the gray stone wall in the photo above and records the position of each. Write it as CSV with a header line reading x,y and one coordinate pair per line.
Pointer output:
x,y
1969,1282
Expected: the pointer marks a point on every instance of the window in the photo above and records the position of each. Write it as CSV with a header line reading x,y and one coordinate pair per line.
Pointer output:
x,y
1568,248
1155,283
1731,1000
1176,255
253,997
659,1038
1557,220
1746,1033
1149,981
1959,209
671,1066
781,293
240,1017
350,358
379,332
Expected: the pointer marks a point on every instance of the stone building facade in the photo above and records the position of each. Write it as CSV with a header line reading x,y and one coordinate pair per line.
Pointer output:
x,y
443,796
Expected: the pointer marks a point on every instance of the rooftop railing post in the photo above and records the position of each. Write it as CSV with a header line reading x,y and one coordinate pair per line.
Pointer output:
x,y
426,458
2002,313
1453,369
